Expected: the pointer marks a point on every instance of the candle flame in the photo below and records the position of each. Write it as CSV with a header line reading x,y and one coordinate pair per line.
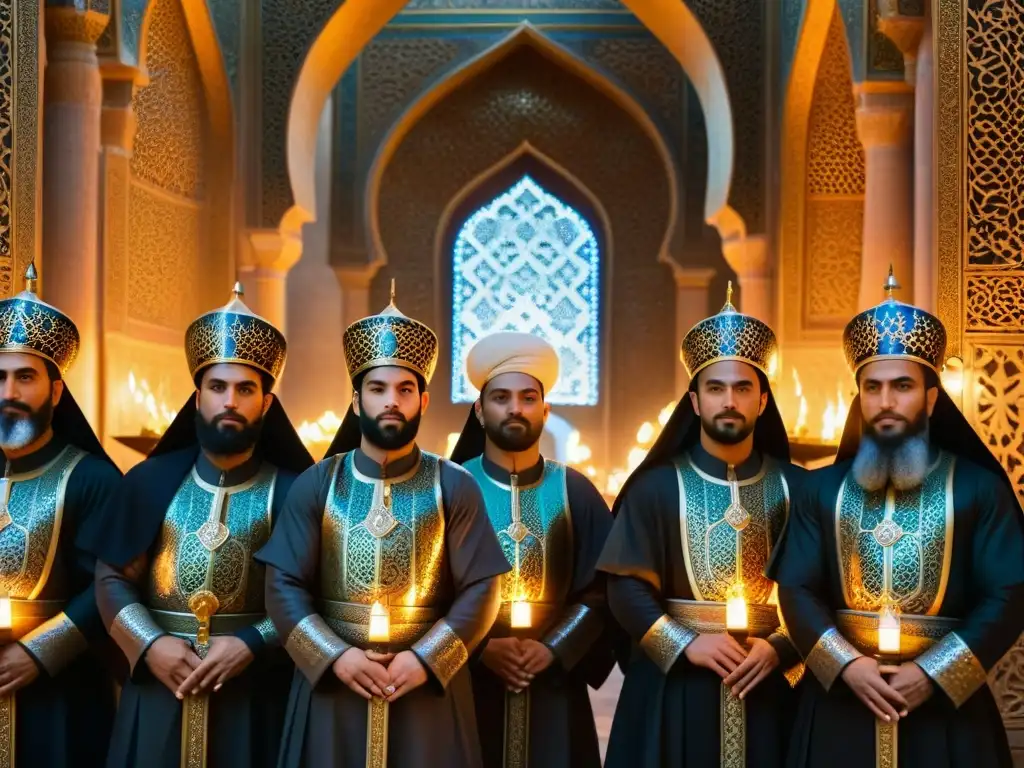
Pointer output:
x,y
736,608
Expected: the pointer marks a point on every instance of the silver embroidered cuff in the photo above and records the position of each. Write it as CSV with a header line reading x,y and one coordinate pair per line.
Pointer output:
x,y
953,667
443,651
313,647
571,638
267,631
55,643
829,656
134,630
665,642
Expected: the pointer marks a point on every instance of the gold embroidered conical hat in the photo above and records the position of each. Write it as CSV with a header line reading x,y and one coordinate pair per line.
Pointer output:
x,y
234,334
730,335
28,324
893,330
390,338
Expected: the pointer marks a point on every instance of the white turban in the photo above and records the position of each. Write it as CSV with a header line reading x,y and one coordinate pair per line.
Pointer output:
x,y
510,352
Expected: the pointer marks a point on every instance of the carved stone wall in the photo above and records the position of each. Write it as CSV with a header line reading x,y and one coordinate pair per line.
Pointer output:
x,y
980,150
401,65
835,192
167,208
525,96
737,31
20,173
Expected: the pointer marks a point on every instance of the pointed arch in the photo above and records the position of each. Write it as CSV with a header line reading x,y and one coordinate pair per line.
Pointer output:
x,y
578,204
356,22
524,35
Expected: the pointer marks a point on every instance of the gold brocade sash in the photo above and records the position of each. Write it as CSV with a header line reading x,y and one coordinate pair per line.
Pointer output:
x,y
26,615
708,617
917,635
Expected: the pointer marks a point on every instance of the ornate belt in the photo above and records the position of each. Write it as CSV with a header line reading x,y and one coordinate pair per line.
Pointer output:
x,y
917,633
709,618
186,624
351,622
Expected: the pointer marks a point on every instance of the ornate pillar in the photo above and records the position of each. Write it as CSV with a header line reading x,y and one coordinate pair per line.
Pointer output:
x,y
749,258
924,172
355,303
691,308
266,257
885,116
72,95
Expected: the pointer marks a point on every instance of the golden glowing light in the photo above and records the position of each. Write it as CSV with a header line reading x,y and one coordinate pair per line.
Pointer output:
x,y
449,448
736,608
577,453
801,416
154,415
380,624
952,377
321,431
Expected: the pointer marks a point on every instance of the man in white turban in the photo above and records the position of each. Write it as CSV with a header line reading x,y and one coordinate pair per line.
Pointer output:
x,y
550,639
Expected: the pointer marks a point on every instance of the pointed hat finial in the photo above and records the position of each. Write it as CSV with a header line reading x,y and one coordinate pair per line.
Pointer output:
x,y
728,307
31,277
392,301
238,291
891,284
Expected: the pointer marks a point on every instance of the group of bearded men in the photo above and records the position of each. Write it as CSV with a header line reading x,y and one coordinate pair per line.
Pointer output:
x,y
231,602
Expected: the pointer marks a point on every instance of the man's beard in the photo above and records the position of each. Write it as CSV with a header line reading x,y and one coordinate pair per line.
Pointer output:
x,y
18,430
728,434
512,440
389,436
221,440
900,459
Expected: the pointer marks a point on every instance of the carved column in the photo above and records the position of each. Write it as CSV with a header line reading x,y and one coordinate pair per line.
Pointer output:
x,y
72,94
885,116
691,307
267,255
924,173
749,258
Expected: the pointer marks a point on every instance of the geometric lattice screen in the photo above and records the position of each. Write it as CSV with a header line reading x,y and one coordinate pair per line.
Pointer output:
x,y
528,262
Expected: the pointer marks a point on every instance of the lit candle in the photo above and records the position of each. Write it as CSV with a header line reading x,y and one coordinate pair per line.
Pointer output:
x,y
6,619
380,624
736,609
889,630
521,616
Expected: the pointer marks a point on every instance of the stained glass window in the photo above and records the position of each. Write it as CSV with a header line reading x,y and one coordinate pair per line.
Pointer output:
x,y
527,261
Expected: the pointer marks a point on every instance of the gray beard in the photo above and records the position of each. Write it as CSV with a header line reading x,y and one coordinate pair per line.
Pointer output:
x,y
905,465
18,433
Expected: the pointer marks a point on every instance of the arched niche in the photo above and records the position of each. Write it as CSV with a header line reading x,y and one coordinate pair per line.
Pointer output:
x,y
528,92
356,22
167,217
822,205
182,166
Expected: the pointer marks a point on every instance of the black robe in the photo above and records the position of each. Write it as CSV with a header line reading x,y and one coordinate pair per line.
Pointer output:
x,y
246,715
674,719
433,725
561,722
64,718
985,589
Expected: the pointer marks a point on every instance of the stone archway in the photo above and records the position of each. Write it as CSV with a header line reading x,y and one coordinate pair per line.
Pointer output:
x,y
528,90
356,22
